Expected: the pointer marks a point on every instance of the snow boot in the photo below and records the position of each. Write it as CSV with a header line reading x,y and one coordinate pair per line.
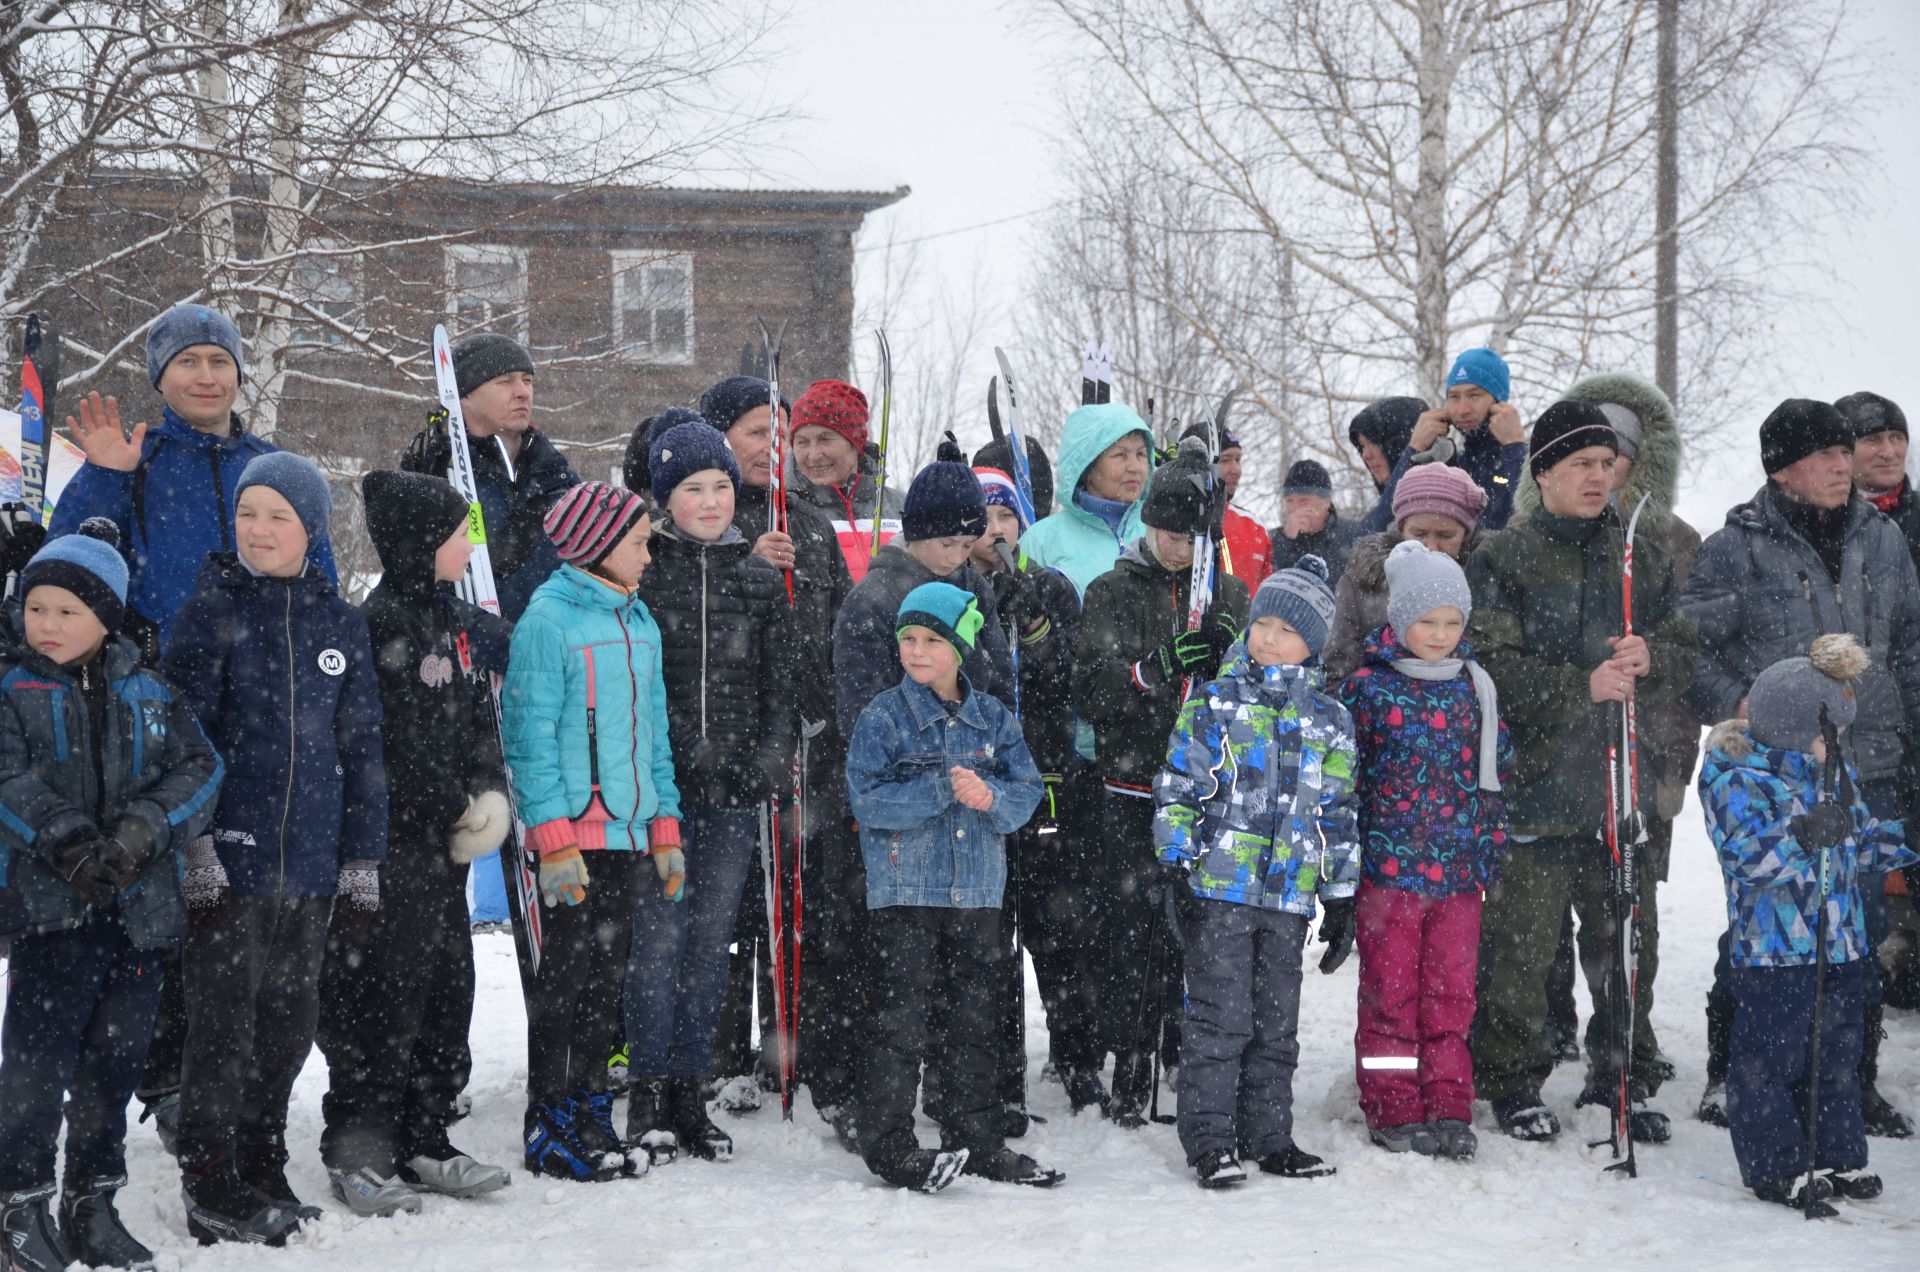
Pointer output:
x,y
1132,1084
551,1146
738,1094
370,1194
1524,1117
263,1164
935,1170
1408,1137
221,1206
687,1113
1294,1163
593,1126
1802,1192
1085,1090
1006,1166
1713,1105
33,1240
1563,1040
1644,1125
1853,1185
92,1228
649,1125
441,1168
165,1112
1882,1119
1712,1108
1454,1139
1219,1169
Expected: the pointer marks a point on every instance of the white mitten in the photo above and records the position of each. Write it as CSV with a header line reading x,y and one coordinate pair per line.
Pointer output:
x,y
481,829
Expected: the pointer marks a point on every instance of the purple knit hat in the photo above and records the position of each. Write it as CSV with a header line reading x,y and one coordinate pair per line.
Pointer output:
x,y
1438,488
587,521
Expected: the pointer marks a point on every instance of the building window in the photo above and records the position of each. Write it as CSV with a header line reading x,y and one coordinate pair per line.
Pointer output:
x,y
487,289
653,306
327,284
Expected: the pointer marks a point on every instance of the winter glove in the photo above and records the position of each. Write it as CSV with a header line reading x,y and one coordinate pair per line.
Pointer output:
x,y
481,829
359,886
1181,656
204,882
430,451
1825,825
775,775
1218,629
668,859
1336,933
1053,797
563,878
122,863
21,535
131,849
1171,893
1017,600
77,860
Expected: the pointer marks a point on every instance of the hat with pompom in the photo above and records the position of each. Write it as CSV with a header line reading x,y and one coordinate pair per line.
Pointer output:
x,y
89,565
1299,597
1419,581
944,499
1785,704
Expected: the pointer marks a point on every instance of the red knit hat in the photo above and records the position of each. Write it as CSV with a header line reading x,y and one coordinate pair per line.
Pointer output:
x,y
836,405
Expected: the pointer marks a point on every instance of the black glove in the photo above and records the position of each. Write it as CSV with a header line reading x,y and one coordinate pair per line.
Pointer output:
x,y
1045,821
430,451
1017,600
121,862
1218,629
1825,825
1184,655
1336,932
775,775
21,535
77,860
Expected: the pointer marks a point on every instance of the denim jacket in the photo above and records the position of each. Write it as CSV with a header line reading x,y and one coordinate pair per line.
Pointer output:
x,y
921,845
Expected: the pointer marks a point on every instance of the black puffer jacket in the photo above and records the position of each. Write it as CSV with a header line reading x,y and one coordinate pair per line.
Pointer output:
x,y
727,648
441,744
820,587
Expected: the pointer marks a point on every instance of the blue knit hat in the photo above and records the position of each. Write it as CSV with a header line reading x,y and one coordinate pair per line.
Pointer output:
x,y
184,326
944,499
685,449
1298,596
724,403
89,565
1485,368
950,612
298,481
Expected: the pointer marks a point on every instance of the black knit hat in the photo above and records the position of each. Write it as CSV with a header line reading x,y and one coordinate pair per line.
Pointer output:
x,y
636,473
1797,428
487,355
944,499
1203,429
88,564
1388,424
1308,477
1177,493
998,453
1565,427
1869,413
724,403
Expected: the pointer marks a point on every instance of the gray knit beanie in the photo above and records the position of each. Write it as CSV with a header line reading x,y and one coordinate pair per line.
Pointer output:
x,y
1300,597
1783,706
1419,581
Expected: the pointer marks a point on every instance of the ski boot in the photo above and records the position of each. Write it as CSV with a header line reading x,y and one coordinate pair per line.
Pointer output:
x,y
1524,1117
441,1168
263,1164
92,1228
221,1206
933,1171
1807,1193
1219,1169
1293,1163
370,1194
165,1111
1132,1085
33,1240
1853,1185
1644,1125
1005,1166
551,1146
649,1123
687,1112
1085,1090
594,1127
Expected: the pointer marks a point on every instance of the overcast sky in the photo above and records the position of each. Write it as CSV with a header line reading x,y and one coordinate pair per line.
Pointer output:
x,y
953,99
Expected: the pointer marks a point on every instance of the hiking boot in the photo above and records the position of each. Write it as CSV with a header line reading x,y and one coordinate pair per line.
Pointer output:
x,y
649,1124
1295,1163
221,1206
687,1112
1408,1137
441,1168
1219,1169
1454,1138
368,1193
92,1228
1524,1117
32,1237
551,1146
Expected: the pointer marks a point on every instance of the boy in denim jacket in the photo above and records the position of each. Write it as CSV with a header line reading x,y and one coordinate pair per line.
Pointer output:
x,y
938,775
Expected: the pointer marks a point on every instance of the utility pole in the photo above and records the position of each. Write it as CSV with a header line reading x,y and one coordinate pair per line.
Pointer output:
x,y
1666,199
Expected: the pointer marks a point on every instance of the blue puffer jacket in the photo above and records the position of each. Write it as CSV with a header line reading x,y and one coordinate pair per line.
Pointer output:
x,y
172,510
1076,542
280,672
1750,795
921,845
585,692
150,764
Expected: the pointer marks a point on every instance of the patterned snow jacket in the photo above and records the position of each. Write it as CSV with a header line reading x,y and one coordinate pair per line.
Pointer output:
x,y
1751,793
1257,791
1425,824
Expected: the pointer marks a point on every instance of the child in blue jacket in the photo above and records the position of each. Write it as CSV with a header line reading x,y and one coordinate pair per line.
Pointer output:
x,y
1784,815
279,669
938,776
585,731
102,770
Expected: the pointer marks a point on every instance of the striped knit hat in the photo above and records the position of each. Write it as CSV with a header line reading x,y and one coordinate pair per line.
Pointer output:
x,y
587,521
998,487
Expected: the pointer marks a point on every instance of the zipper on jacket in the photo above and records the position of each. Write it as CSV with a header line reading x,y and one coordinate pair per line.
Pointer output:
x,y
220,493
293,743
633,707
703,643
1866,586
1806,589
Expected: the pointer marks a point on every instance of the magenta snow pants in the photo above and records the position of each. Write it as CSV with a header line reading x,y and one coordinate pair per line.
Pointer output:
x,y
1418,955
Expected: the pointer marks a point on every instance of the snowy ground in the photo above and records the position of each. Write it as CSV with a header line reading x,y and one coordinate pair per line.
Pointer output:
x,y
791,1198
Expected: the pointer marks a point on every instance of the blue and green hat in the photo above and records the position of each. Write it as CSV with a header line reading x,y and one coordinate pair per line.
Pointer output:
x,y
952,613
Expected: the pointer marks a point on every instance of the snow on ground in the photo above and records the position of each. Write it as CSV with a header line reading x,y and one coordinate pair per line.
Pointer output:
x,y
791,1198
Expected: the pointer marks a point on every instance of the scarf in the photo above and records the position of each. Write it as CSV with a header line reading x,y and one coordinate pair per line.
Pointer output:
x,y
1447,669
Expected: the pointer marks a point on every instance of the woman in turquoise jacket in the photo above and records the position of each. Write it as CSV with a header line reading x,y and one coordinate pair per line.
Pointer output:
x,y
1106,455
584,727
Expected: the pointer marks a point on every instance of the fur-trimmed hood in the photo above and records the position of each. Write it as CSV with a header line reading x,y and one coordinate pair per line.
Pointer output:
x,y
1731,737
1367,563
1656,471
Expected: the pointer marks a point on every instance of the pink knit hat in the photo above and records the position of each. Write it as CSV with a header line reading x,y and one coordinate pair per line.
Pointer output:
x,y
587,521
1438,488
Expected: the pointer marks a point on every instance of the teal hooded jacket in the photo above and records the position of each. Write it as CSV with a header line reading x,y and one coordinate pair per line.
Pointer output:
x,y
1074,541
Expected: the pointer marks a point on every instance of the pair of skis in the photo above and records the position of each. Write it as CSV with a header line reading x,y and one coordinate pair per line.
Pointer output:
x,y
39,377
1206,564
1625,832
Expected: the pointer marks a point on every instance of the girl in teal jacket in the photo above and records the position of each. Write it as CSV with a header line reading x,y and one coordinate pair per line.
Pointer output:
x,y
584,728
